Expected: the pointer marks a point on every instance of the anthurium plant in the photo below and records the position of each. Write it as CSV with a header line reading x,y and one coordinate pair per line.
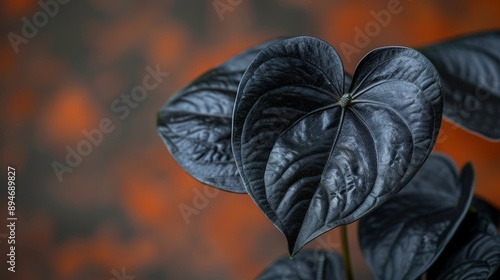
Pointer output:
x,y
317,148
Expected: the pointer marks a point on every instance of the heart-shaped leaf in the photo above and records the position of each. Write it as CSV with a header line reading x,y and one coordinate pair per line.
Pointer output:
x,y
308,265
195,124
472,254
470,69
402,238
313,156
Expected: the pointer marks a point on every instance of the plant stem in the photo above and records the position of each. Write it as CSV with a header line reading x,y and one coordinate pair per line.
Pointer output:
x,y
345,252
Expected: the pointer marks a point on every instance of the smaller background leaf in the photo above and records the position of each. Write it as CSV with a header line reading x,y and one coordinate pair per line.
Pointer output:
x,y
473,253
470,69
195,124
317,264
403,237
485,208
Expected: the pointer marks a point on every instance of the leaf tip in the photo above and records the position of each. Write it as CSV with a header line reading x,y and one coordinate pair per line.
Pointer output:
x,y
467,175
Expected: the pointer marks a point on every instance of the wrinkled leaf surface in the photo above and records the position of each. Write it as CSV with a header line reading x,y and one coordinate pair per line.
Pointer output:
x,y
314,156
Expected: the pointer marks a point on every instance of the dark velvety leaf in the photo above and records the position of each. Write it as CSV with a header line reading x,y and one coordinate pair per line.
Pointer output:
x,y
311,158
483,207
402,238
311,265
470,69
472,254
195,124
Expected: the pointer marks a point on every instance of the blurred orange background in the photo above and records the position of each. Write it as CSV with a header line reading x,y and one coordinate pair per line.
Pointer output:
x,y
117,212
